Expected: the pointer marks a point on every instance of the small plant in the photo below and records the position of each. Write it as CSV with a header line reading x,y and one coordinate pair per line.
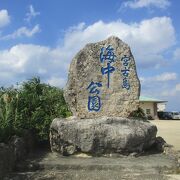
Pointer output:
x,y
149,117
138,114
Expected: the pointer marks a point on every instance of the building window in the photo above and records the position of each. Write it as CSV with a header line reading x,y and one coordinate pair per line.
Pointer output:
x,y
148,111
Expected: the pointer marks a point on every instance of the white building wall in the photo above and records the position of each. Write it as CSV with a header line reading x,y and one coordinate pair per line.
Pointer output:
x,y
161,106
148,105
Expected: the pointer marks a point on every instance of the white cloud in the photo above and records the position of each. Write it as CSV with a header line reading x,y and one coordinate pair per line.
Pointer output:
x,y
142,79
164,77
165,86
148,39
173,91
57,81
168,89
31,14
176,54
22,32
162,4
161,86
4,18
26,60
177,88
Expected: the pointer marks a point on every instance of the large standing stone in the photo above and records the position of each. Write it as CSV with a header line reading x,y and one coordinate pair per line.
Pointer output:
x,y
102,90
103,81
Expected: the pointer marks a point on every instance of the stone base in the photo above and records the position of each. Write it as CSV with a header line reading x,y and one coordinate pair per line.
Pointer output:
x,y
101,136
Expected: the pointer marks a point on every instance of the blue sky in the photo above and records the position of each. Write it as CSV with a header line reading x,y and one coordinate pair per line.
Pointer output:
x,y
39,38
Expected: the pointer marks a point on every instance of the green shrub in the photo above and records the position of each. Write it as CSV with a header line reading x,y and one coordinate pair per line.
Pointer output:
x,y
138,114
7,112
149,117
31,107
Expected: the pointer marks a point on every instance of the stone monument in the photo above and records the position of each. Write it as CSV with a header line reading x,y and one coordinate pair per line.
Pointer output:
x,y
102,91
103,81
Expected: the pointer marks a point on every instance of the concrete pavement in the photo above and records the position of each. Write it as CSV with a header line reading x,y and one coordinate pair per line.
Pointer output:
x,y
170,131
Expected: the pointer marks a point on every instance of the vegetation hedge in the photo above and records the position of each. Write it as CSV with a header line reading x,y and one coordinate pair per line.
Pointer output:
x,y
32,106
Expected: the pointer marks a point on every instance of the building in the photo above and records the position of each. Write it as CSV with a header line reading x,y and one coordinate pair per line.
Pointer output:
x,y
151,106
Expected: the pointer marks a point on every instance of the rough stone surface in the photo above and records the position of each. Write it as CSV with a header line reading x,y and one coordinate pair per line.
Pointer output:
x,y
12,153
18,145
101,135
7,159
86,67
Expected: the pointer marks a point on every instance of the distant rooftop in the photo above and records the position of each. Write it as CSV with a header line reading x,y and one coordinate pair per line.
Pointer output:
x,y
148,99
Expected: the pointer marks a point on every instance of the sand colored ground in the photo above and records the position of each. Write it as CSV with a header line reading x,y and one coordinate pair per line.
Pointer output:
x,y
170,131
